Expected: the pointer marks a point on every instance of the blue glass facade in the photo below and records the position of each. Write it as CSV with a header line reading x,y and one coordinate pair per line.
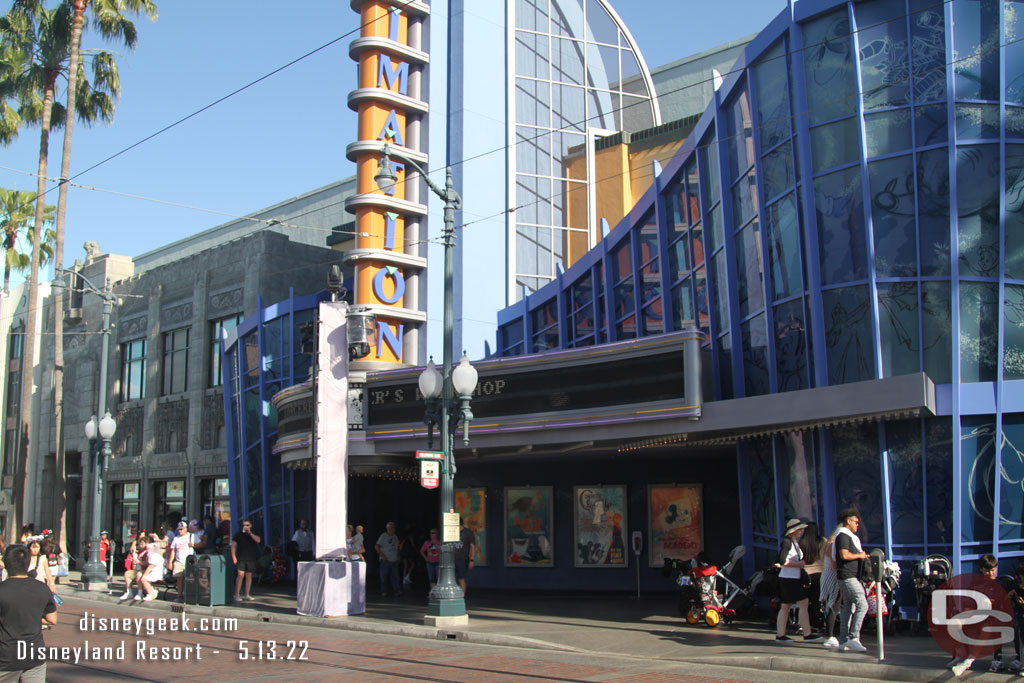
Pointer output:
x,y
262,357
850,207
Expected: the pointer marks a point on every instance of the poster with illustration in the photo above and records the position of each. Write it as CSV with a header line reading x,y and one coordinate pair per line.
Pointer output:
x,y
529,527
676,522
600,519
470,503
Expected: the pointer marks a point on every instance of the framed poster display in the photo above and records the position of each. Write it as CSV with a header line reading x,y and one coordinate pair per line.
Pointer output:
x,y
599,517
676,522
529,526
471,504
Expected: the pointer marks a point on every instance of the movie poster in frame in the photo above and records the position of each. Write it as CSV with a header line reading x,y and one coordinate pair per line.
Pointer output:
x,y
529,526
599,516
471,504
676,522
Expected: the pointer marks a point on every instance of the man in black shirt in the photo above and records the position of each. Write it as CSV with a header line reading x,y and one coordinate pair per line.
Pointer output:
x,y
24,605
849,556
245,553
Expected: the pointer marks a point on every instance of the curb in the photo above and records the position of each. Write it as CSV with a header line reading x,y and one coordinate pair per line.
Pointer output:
x,y
833,667
353,623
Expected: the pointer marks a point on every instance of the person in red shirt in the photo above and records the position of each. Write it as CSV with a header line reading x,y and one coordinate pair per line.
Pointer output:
x,y
105,549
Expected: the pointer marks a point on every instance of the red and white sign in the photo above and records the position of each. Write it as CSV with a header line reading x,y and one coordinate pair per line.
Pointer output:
x,y
430,455
430,473
971,616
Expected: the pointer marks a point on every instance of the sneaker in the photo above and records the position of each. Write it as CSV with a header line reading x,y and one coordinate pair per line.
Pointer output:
x,y
406,580
997,666
138,596
963,667
953,662
1014,666
813,638
831,642
237,598
248,598
852,646
783,639
180,600
151,596
127,596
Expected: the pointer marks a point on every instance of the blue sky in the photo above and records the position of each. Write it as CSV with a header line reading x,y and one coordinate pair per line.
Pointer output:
x,y
282,137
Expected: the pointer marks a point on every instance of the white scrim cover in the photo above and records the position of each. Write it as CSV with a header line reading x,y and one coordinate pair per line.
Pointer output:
x,y
331,431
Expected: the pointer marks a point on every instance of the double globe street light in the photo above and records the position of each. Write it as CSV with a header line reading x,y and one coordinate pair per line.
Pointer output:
x,y
447,603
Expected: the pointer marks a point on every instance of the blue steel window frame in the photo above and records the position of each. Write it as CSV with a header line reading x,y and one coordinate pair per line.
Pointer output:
x,y
262,515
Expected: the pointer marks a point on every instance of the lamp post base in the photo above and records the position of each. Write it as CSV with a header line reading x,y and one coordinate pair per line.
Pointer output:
x,y
446,622
94,577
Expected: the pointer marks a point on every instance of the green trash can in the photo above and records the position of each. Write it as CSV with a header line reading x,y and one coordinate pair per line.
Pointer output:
x,y
208,580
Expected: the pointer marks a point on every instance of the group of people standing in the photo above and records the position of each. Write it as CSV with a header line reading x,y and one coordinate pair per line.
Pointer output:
x,y
399,554
153,557
828,570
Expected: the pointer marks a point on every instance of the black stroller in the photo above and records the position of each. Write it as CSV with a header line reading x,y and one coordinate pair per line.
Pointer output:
x,y
929,574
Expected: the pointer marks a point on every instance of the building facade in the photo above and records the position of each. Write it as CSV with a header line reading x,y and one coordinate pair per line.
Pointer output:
x,y
164,384
844,214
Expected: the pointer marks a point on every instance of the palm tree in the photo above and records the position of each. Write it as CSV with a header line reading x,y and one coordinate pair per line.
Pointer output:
x,y
108,18
35,51
16,212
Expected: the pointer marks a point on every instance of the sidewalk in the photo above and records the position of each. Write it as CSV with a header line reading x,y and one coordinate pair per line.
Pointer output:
x,y
648,627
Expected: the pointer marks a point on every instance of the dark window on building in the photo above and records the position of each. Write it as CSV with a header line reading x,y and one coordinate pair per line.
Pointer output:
x,y
133,370
124,513
216,328
215,499
168,502
176,361
15,342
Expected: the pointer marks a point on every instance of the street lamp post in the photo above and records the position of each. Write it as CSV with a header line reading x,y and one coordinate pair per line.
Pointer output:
x,y
94,573
447,604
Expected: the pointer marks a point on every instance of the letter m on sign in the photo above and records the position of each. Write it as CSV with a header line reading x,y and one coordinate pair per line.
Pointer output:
x,y
388,75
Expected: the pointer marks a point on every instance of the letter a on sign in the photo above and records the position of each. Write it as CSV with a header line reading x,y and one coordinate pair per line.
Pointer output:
x,y
429,473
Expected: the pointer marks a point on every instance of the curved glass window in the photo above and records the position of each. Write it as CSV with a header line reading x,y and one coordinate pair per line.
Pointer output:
x,y
791,346
978,193
892,216
575,71
848,339
897,324
976,49
839,208
979,331
884,56
1013,252
828,63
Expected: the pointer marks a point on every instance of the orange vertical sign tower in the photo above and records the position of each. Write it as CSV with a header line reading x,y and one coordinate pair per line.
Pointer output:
x,y
390,227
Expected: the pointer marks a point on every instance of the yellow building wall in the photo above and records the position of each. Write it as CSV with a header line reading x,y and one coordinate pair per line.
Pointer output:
x,y
621,179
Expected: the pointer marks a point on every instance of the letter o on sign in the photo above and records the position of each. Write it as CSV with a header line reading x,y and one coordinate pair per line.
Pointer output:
x,y
378,284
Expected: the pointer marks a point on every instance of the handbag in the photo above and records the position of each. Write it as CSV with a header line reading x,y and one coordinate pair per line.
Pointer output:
x,y
128,563
62,566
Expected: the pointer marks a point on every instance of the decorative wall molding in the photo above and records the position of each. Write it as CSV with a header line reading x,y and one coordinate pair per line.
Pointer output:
x,y
133,327
175,316
226,302
213,420
171,427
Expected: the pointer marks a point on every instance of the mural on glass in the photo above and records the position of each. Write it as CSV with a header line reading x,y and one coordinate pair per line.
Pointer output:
x,y
676,522
529,527
471,504
599,514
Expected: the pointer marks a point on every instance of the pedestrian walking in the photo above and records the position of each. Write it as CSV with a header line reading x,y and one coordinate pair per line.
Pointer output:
x,y
430,551
849,556
812,544
24,607
464,553
792,589
828,594
387,552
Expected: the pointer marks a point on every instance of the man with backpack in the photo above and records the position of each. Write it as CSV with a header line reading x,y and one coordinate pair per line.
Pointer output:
x,y
849,556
